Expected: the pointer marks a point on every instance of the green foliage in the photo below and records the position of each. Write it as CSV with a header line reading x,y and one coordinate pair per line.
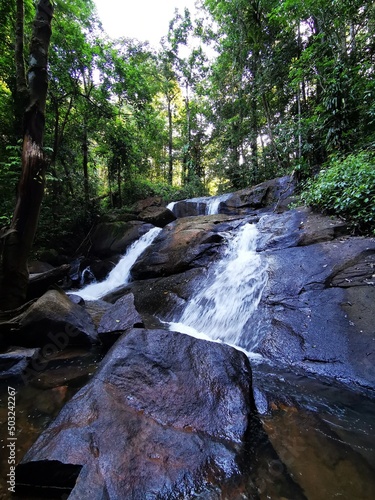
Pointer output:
x,y
140,188
346,188
9,175
290,85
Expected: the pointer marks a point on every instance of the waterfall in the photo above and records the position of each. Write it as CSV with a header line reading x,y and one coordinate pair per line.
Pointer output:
x,y
120,275
223,306
171,205
213,203
87,273
205,205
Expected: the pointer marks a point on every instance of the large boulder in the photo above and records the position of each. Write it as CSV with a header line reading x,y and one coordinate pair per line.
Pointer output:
x,y
185,244
52,319
166,416
14,362
316,312
151,201
191,207
112,238
157,298
157,216
274,193
119,318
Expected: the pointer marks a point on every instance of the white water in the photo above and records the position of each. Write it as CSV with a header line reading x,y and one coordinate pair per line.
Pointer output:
x,y
171,205
211,203
224,305
86,272
120,274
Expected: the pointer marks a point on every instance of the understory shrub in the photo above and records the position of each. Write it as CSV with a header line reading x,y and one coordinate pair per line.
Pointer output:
x,y
346,187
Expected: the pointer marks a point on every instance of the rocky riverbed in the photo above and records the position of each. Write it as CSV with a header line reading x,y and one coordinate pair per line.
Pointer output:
x,y
167,415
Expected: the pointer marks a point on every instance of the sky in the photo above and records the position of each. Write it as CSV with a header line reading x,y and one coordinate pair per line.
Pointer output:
x,y
141,19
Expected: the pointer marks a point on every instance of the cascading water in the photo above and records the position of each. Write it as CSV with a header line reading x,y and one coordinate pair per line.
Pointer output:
x,y
213,203
87,275
223,306
171,205
206,205
120,274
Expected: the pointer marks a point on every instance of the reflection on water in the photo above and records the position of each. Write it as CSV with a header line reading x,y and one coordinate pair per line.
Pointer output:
x,y
39,402
317,441
322,433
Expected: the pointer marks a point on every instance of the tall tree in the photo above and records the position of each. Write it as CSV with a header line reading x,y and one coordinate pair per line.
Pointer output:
x,y
17,243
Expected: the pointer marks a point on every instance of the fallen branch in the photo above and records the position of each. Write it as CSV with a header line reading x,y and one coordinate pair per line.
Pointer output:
x,y
40,283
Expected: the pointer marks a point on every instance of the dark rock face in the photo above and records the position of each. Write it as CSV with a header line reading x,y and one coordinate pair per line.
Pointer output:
x,y
121,316
14,362
157,216
190,208
316,313
112,238
274,193
165,297
51,316
39,283
151,201
164,417
185,244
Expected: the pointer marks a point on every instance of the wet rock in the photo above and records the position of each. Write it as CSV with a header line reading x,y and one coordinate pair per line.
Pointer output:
x,y
76,299
51,319
112,238
157,216
300,227
14,362
96,309
191,207
165,297
120,317
359,271
273,194
165,416
160,297
186,243
279,231
315,312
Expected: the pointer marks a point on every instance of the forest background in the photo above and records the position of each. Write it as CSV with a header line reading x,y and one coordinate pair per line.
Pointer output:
x,y
246,91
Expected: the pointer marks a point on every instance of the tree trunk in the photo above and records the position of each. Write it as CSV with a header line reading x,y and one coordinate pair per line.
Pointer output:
x,y
21,92
170,142
18,242
85,155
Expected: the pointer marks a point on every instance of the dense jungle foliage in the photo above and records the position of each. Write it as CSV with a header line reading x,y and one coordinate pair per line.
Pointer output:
x,y
247,91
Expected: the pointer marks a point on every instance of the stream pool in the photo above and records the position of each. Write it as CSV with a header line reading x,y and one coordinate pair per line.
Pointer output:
x,y
321,434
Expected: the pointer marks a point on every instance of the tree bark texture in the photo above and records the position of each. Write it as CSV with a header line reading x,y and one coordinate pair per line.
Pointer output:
x,y
170,141
17,245
21,94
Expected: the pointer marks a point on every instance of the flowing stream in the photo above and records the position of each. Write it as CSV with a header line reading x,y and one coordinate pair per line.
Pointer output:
x,y
120,274
224,304
323,434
